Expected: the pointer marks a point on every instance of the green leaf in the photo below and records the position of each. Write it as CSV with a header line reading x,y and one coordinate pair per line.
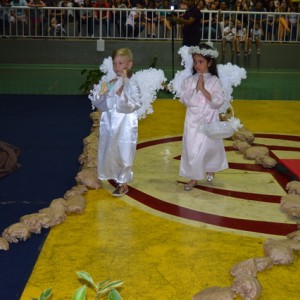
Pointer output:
x,y
92,77
110,286
87,277
101,284
80,294
46,294
114,295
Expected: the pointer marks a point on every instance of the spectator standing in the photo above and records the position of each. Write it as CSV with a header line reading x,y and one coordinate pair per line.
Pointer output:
x,y
85,19
119,17
19,17
135,22
182,6
202,5
36,16
67,15
191,21
271,28
103,17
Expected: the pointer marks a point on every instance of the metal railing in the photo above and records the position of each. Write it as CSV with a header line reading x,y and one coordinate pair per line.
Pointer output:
x,y
151,24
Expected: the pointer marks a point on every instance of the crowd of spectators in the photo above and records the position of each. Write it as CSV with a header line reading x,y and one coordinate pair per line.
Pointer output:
x,y
244,17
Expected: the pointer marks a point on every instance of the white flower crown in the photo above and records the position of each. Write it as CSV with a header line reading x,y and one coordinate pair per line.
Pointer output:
x,y
204,52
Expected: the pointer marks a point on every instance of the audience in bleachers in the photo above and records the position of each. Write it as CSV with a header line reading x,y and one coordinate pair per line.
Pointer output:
x,y
216,16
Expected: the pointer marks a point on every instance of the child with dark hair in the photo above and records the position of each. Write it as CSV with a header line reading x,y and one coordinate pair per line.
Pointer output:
x,y
202,94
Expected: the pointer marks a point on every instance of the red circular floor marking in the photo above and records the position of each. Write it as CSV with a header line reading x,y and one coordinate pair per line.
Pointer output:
x,y
273,228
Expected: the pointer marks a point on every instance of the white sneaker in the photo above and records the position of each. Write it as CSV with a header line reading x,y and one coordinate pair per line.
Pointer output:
x,y
209,177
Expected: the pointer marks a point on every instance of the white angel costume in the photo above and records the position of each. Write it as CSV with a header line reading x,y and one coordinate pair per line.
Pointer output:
x,y
201,154
118,129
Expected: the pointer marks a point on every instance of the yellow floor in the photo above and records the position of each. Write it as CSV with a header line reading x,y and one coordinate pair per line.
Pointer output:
x,y
156,255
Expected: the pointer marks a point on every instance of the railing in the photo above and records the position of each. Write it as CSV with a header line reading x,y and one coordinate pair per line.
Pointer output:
x,y
152,24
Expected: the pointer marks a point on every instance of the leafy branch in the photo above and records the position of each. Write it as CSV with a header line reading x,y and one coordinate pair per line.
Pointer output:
x,y
101,288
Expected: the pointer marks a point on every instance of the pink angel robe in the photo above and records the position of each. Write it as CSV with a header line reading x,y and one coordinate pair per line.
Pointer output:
x,y
201,154
118,130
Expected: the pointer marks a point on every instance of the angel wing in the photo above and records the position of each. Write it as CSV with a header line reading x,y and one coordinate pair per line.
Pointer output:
x,y
149,80
174,85
230,76
107,68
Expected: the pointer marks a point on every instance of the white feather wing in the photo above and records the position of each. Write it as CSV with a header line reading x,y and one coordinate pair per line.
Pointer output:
x,y
149,80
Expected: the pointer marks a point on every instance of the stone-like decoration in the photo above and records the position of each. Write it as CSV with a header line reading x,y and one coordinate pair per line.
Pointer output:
x,y
295,245
279,251
266,161
59,203
243,134
256,151
76,190
95,116
88,158
57,215
4,245
241,146
263,263
295,235
16,232
293,187
93,137
290,204
247,286
75,204
247,267
269,162
215,293
36,221
89,178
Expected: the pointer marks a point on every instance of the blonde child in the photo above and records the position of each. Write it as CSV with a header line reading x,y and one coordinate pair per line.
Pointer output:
x,y
202,94
118,99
